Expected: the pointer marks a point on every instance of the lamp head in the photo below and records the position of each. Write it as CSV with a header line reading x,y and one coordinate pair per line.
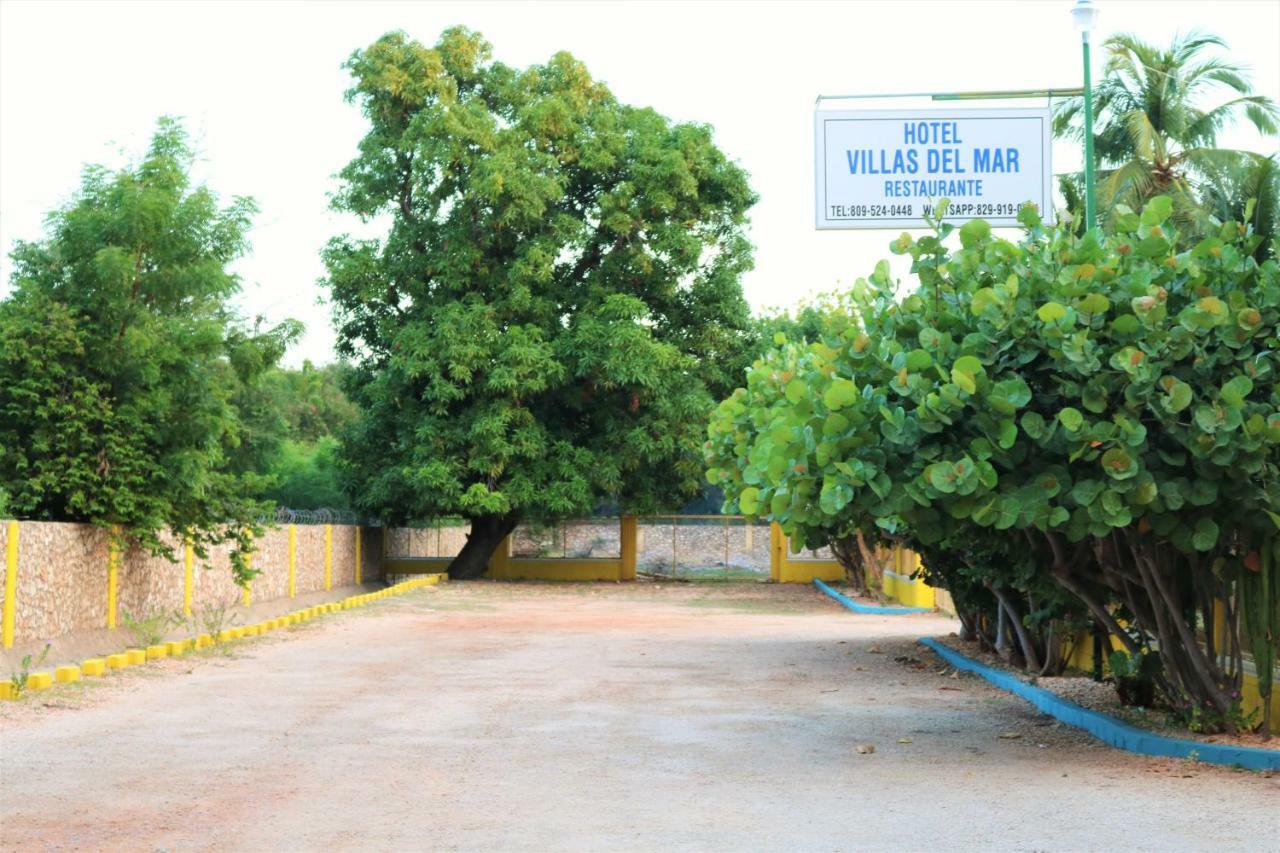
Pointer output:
x,y
1084,15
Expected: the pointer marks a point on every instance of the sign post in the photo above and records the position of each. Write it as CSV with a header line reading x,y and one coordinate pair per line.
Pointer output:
x,y
888,168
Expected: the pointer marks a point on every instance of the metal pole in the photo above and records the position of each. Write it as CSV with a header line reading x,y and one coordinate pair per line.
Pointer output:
x,y
1090,214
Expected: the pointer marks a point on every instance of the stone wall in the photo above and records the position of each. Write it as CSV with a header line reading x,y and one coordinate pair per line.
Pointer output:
x,y
62,573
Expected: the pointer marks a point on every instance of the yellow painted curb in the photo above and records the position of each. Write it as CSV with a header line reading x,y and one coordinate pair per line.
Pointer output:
x,y
66,674
249,631
6,690
226,636
237,633
119,661
93,666
204,641
40,681
136,656
176,648
157,652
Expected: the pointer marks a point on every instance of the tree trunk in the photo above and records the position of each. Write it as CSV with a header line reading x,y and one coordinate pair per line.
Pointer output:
x,y
873,570
1030,656
846,554
487,533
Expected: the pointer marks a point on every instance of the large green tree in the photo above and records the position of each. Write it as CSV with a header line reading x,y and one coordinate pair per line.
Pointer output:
x,y
122,360
556,302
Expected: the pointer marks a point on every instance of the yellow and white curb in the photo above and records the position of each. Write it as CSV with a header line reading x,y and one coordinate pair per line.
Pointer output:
x,y
98,667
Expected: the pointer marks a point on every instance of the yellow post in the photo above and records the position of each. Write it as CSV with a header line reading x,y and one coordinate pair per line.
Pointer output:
x,y
358,531
10,583
293,560
113,567
188,563
328,556
627,542
776,546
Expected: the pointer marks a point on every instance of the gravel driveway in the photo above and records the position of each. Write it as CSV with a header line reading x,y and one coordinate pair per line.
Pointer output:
x,y
489,716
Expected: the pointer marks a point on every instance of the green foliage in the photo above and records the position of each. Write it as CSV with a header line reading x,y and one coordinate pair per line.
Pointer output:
x,y
19,678
306,475
1135,676
214,617
121,362
803,323
150,630
556,303
310,400
292,418
1246,190
1207,720
1110,402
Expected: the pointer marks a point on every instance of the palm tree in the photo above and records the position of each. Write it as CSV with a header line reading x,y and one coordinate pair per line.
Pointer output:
x,y
1247,191
1154,134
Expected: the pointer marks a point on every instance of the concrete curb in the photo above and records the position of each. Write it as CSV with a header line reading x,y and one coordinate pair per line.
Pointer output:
x,y
868,609
135,657
1108,729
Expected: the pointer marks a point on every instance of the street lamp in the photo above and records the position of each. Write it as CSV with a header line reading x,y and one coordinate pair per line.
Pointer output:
x,y
1085,16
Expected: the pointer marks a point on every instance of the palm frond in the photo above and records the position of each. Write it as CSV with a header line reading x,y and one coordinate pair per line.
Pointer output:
x,y
1147,142
1185,47
1130,184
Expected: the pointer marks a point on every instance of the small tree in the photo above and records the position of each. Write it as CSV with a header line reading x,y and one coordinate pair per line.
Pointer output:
x,y
120,359
556,304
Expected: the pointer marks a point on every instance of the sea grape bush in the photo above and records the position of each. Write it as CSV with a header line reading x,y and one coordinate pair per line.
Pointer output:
x,y
1060,424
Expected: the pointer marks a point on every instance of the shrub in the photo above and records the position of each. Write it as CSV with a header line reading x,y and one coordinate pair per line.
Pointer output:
x,y
1063,422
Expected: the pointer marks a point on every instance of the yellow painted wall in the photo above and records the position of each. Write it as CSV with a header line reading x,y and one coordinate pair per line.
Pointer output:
x,y
558,570
784,569
1251,701
899,563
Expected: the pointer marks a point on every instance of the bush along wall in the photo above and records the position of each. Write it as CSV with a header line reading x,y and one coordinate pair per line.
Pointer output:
x,y
1070,429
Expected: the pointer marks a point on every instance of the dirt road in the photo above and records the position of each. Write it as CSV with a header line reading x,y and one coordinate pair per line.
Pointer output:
x,y
523,717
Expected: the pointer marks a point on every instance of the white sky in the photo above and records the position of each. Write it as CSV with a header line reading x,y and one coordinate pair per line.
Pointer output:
x,y
260,87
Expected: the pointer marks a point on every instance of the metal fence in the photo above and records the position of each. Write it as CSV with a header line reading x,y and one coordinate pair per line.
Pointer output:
x,y
284,515
676,547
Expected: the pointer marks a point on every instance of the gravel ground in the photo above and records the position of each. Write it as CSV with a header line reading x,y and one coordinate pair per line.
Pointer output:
x,y
1101,696
489,716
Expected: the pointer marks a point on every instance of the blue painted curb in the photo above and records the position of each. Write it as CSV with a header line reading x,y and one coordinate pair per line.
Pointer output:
x,y
1107,729
868,608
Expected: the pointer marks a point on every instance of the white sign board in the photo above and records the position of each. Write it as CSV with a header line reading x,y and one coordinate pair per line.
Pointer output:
x,y
885,168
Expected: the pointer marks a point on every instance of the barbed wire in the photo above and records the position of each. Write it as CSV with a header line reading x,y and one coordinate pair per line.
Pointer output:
x,y
324,515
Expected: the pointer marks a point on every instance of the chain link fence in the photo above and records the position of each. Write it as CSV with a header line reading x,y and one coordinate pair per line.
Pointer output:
x,y
702,548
